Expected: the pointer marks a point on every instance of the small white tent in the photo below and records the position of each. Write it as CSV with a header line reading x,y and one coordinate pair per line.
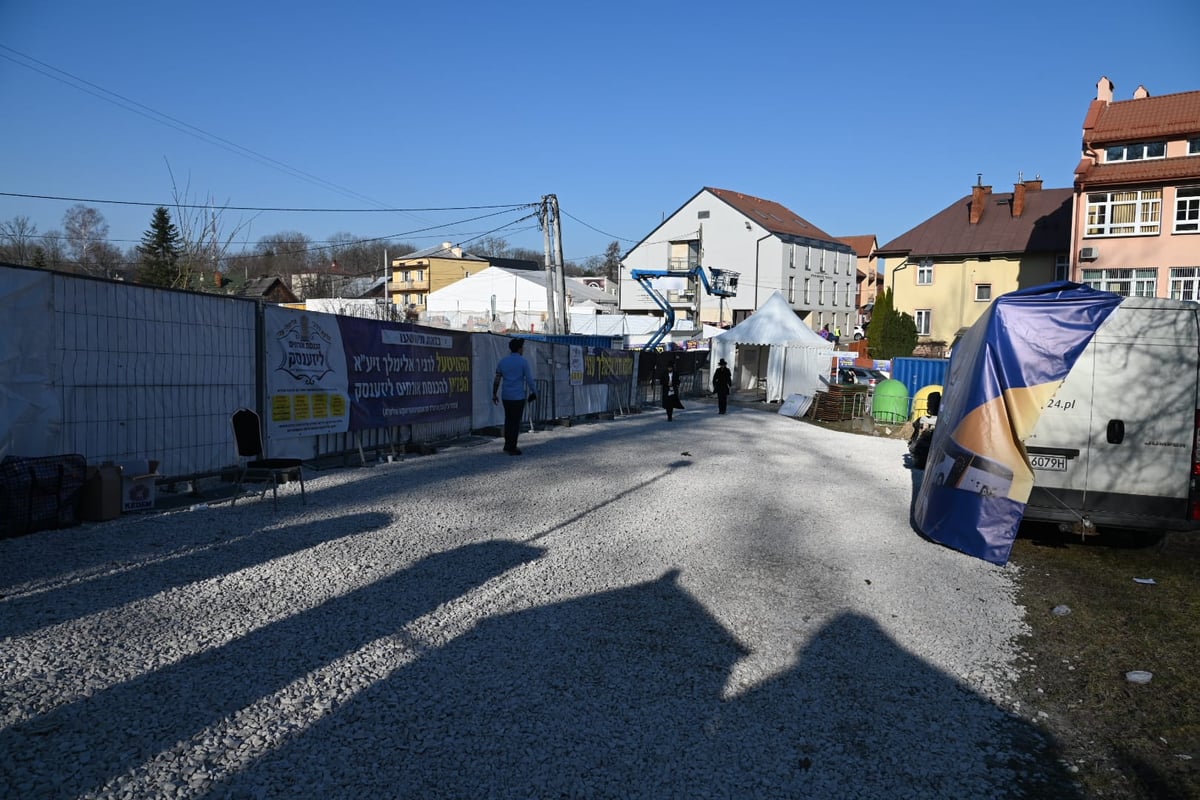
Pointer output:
x,y
774,350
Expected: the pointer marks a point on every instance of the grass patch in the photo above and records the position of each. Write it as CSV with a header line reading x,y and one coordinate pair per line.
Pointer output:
x,y
1126,740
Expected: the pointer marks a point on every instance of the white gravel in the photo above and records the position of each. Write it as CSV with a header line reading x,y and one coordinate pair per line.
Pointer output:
x,y
714,607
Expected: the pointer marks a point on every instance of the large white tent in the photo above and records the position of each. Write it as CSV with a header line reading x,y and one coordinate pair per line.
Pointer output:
x,y
773,349
498,299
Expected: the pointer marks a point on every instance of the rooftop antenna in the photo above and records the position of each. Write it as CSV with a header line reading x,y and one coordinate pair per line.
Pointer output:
x,y
979,179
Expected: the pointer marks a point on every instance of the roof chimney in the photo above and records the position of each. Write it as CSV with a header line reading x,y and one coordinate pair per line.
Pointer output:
x,y
1140,92
979,195
1104,90
1020,188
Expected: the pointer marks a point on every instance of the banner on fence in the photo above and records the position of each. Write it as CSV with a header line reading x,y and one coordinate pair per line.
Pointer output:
x,y
332,374
605,366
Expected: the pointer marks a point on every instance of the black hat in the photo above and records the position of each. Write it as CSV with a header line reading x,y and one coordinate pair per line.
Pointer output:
x,y
721,363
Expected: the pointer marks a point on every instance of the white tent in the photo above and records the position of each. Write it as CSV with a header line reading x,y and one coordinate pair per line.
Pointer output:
x,y
497,298
774,350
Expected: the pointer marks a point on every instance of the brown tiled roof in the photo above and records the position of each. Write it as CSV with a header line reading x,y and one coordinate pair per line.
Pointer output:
x,y
1044,227
1172,115
771,215
862,244
1162,170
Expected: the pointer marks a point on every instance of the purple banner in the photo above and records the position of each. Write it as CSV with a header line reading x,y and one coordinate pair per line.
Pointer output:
x,y
400,373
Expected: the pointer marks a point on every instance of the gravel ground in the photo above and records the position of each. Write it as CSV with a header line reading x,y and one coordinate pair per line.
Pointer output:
x,y
714,607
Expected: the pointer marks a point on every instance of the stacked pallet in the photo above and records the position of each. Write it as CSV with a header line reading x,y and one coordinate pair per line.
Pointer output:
x,y
840,402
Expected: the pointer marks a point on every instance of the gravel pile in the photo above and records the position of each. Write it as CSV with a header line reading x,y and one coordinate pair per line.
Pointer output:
x,y
716,607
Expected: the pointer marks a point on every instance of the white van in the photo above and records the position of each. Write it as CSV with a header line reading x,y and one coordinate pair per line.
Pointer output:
x,y
1117,444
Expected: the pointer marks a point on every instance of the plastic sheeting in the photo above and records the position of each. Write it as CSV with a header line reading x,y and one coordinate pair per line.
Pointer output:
x,y
1003,372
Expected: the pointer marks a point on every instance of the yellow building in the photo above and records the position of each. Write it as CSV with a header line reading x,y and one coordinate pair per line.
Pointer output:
x,y
949,268
417,274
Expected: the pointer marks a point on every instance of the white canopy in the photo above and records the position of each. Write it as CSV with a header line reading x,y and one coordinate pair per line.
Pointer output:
x,y
778,350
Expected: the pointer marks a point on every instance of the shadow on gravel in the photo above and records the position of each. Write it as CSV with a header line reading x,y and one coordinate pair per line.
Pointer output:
x,y
90,741
185,563
621,694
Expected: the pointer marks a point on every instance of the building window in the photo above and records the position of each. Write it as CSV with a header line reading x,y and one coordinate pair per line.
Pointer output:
x,y
792,256
1194,146
1133,213
1187,209
1141,151
821,266
1062,267
1125,282
701,215
791,290
808,258
983,293
807,292
1185,283
925,273
820,293
924,315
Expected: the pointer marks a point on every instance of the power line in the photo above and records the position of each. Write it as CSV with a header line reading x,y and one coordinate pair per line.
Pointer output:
x,y
171,122
597,230
512,206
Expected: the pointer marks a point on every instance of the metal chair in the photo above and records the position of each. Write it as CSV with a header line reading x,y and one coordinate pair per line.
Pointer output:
x,y
253,467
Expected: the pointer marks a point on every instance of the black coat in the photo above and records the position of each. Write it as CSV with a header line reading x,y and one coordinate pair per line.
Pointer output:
x,y
722,380
670,390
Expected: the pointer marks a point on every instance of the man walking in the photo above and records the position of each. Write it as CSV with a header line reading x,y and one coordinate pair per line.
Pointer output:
x,y
722,380
513,375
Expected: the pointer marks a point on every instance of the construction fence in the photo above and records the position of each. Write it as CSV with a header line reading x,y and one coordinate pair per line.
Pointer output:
x,y
118,372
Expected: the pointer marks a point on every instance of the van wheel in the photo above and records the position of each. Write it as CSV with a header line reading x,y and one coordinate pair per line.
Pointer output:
x,y
857,336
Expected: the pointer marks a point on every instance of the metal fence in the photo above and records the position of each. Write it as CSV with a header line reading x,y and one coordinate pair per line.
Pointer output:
x,y
118,372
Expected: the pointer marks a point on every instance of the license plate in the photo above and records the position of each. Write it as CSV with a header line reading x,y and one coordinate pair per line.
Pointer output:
x,y
1049,463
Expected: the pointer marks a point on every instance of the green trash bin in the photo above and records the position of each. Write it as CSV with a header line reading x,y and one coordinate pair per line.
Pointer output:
x,y
890,403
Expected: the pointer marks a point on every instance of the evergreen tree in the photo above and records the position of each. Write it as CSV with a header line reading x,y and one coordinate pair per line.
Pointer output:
x,y
159,252
612,262
892,334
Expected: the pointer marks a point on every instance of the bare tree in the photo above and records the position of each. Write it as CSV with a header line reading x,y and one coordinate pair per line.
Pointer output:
x,y
86,230
206,237
18,240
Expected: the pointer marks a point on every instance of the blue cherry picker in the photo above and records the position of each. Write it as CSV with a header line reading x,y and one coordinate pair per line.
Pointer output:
x,y
724,284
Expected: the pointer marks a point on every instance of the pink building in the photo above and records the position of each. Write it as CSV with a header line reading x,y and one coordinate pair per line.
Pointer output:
x,y
1136,212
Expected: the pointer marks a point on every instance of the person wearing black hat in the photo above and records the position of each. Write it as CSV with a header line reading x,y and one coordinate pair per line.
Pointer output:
x,y
722,381
513,375
670,390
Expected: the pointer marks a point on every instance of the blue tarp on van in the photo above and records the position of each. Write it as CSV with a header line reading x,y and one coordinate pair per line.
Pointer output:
x,y
1002,373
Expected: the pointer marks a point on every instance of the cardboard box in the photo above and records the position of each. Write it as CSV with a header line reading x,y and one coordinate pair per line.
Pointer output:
x,y
138,485
101,498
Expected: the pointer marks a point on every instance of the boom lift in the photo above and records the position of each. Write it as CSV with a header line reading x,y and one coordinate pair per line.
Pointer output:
x,y
724,284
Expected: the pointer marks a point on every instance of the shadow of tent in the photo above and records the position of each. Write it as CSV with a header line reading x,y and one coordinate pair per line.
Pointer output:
x,y
621,694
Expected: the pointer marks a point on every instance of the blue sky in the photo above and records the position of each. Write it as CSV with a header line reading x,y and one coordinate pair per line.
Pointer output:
x,y
861,117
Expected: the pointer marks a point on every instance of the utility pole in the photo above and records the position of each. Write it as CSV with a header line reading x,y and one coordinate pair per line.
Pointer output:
x,y
564,321
545,221
557,315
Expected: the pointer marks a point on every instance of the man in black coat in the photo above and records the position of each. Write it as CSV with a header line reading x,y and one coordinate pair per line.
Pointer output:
x,y
722,381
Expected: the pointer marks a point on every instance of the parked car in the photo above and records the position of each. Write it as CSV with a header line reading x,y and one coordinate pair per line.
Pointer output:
x,y
859,332
860,376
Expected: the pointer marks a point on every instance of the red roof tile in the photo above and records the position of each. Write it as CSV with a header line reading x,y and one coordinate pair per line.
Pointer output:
x,y
1044,227
1171,115
771,215
863,245
1162,170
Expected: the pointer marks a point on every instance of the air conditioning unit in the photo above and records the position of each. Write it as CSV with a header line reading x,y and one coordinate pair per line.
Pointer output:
x,y
1088,253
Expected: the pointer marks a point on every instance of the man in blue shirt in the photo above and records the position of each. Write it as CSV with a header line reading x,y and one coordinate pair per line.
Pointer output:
x,y
513,375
